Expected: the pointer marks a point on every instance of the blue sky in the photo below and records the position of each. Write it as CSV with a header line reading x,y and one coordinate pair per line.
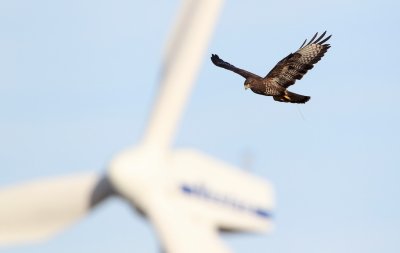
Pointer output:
x,y
78,79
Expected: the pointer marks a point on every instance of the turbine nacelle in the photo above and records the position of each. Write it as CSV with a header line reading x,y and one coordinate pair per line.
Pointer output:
x,y
184,189
201,186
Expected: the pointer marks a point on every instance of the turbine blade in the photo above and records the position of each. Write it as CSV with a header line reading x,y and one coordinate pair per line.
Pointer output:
x,y
36,210
180,232
185,53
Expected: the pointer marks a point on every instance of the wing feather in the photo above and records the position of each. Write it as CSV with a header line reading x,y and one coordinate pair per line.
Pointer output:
x,y
312,39
223,64
294,66
320,37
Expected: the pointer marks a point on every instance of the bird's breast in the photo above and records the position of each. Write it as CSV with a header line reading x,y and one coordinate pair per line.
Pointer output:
x,y
267,88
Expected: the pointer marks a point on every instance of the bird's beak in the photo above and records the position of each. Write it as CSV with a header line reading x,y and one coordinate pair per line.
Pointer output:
x,y
246,86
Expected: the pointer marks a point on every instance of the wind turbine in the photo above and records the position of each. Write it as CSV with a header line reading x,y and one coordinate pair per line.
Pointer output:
x,y
188,196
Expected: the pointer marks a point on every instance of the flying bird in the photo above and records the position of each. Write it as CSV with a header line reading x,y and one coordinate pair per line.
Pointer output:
x,y
285,73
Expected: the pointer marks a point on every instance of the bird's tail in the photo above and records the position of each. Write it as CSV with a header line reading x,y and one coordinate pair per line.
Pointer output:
x,y
290,97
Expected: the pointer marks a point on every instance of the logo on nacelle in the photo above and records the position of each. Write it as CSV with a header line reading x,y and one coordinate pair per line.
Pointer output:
x,y
200,191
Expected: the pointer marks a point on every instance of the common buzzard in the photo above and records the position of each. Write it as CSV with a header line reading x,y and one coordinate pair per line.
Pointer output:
x,y
285,73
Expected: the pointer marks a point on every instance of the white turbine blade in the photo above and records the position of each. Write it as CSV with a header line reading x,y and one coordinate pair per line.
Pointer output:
x,y
181,232
36,210
185,53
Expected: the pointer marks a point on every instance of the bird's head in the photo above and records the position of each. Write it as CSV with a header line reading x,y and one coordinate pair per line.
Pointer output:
x,y
247,83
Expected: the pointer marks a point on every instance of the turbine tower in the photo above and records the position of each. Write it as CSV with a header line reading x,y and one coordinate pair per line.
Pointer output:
x,y
188,196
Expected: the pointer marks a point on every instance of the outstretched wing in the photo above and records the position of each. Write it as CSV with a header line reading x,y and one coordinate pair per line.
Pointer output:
x,y
295,65
223,64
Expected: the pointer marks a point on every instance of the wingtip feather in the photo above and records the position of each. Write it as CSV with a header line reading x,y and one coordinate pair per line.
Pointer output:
x,y
215,58
303,43
325,40
312,39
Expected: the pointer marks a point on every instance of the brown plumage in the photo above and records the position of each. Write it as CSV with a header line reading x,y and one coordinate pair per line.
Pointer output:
x,y
285,73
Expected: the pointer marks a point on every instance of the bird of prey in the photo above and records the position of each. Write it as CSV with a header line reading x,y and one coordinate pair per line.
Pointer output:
x,y
285,73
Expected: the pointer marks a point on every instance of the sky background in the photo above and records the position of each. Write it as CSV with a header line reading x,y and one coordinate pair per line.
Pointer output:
x,y
78,79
